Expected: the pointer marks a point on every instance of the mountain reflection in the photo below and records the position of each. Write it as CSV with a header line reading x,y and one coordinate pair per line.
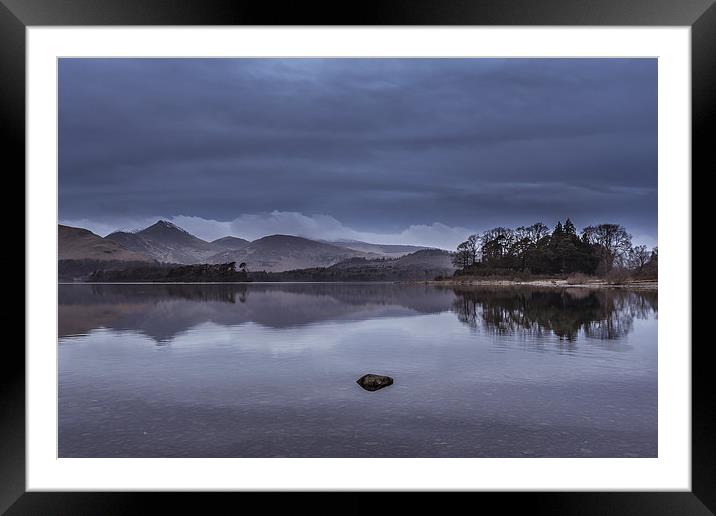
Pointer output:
x,y
601,314
163,311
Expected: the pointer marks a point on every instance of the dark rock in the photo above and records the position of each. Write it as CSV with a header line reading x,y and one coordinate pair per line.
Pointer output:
x,y
373,382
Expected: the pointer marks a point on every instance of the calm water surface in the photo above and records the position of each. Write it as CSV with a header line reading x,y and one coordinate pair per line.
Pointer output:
x,y
269,370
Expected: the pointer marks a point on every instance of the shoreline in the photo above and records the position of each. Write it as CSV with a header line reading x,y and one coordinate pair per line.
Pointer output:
x,y
542,283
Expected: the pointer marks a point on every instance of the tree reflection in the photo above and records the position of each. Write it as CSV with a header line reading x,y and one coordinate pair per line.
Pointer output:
x,y
600,314
220,293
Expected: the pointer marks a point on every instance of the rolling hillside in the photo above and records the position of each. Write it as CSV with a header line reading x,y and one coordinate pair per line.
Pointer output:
x,y
82,244
278,253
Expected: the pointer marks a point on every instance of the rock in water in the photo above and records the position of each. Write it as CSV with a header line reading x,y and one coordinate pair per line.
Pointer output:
x,y
373,382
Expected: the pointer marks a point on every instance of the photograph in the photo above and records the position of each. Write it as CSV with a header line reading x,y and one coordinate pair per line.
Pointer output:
x,y
343,257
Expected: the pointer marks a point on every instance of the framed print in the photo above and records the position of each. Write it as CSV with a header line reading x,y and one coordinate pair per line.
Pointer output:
x,y
410,249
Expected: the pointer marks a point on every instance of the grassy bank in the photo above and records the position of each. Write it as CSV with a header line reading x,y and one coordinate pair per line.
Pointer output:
x,y
557,282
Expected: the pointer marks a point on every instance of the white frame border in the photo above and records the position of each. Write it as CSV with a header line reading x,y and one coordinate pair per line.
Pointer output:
x,y
670,471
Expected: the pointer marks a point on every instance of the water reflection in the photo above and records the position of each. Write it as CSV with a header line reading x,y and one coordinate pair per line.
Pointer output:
x,y
599,314
266,370
163,311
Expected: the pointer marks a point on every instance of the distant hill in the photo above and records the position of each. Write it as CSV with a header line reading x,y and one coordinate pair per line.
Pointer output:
x,y
82,244
168,243
423,264
230,242
388,250
420,265
278,253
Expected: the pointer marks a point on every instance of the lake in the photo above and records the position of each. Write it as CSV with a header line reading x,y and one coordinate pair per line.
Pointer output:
x,y
270,370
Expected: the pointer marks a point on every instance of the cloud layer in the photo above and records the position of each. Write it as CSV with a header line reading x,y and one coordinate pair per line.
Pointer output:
x,y
400,147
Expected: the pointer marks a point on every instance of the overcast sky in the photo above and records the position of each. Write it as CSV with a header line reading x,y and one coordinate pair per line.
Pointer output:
x,y
420,151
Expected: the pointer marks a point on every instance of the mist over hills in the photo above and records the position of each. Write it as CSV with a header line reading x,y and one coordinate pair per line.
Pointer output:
x,y
166,243
389,250
277,253
421,265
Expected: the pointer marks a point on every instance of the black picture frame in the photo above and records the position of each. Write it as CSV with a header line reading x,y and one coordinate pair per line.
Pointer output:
x,y
16,15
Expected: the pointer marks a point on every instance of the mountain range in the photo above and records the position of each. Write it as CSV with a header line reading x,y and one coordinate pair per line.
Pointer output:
x,y
165,242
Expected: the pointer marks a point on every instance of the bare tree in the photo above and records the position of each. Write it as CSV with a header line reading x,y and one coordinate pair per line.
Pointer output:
x,y
532,233
473,248
637,257
496,241
614,241
461,258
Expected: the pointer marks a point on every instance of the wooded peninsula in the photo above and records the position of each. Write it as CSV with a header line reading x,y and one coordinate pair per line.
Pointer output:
x,y
603,251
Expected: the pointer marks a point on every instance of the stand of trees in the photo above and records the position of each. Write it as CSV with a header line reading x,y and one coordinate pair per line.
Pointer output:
x,y
174,273
80,270
535,249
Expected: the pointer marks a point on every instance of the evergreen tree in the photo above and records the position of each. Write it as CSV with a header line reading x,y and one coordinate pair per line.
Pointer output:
x,y
558,229
569,228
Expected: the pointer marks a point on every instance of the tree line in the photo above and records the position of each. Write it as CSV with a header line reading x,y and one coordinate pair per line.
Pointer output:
x,y
167,272
598,250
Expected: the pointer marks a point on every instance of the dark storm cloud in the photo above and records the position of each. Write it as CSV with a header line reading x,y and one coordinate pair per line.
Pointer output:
x,y
379,144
